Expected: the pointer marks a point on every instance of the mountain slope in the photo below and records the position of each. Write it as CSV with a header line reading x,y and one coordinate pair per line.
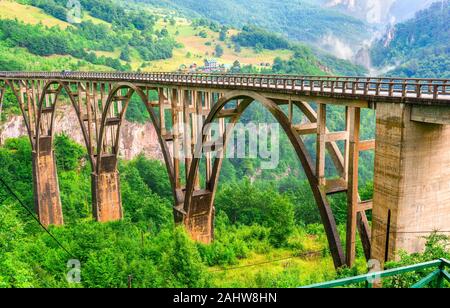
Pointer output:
x,y
140,38
162,43
418,47
300,20
380,12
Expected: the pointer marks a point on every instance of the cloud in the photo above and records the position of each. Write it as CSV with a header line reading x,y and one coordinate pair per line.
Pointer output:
x,y
337,47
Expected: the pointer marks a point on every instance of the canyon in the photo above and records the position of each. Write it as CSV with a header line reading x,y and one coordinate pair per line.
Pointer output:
x,y
135,138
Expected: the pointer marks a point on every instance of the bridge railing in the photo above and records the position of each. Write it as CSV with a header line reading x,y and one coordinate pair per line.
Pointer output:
x,y
367,86
434,277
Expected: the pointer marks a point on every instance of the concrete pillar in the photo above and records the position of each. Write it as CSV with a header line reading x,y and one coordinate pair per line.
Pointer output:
x,y
412,181
200,219
106,196
46,187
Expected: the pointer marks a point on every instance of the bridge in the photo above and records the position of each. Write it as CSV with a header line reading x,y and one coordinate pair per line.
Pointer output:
x,y
412,144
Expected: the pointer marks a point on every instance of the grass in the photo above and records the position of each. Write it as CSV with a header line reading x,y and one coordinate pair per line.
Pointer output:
x,y
28,14
10,9
87,17
278,268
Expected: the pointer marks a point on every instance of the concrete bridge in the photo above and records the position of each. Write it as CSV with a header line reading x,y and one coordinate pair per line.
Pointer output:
x,y
412,146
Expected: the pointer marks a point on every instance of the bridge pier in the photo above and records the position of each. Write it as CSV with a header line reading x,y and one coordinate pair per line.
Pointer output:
x,y
412,181
45,182
106,197
199,221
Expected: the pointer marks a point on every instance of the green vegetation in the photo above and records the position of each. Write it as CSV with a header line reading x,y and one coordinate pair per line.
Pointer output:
x,y
254,224
145,245
130,30
419,47
301,20
303,62
219,51
251,36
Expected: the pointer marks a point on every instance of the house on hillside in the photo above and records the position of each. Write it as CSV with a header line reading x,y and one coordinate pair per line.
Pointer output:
x,y
211,65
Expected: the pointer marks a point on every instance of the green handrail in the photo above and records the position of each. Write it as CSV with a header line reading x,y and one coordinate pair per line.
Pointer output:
x,y
439,275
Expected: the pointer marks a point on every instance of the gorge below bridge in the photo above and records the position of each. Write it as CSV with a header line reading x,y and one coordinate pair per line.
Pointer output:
x,y
412,145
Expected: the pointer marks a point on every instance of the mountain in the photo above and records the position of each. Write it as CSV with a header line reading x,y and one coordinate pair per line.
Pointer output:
x,y
380,12
301,20
35,35
417,47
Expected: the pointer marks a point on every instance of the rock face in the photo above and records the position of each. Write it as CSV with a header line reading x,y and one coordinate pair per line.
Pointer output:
x,y
135,138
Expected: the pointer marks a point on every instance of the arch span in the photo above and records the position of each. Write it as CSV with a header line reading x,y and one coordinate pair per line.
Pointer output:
x,y
47,201
105,177
198,204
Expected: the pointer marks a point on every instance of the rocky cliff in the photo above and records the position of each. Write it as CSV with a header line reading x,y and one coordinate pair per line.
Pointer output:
x,y
135,138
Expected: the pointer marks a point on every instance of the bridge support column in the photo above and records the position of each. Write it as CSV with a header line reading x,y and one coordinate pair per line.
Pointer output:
x,y
46,188
106,197
412,181
200,219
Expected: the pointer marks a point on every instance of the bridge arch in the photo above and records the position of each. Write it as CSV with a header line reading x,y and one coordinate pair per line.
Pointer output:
x,y
47,104
199,206
37,101
108,149
20,100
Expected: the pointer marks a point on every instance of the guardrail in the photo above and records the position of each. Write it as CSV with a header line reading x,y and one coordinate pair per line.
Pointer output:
x,y
368,86
437,276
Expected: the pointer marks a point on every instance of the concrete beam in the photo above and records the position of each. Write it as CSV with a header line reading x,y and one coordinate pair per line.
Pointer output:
x,y
431,114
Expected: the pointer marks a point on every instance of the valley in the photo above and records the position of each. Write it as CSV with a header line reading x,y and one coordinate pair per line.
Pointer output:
x,y
268,230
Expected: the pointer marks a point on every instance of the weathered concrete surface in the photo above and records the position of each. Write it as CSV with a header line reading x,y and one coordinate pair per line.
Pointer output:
x,y
412,181
200,219
107,202
45,178
431,114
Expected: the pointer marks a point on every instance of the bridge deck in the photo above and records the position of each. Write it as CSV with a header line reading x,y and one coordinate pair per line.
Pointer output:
x,y
395,90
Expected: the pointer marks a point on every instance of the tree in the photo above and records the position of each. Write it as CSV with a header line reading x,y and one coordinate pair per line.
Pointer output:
x,y
251,37
219,51
237,48
125,54
250,204
68,153
203,34
236,68
223,34
182,263
164,32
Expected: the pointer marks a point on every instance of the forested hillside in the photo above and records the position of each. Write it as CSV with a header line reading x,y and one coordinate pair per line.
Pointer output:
x,y
300,20
111,36
418,47
267,234
87,44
